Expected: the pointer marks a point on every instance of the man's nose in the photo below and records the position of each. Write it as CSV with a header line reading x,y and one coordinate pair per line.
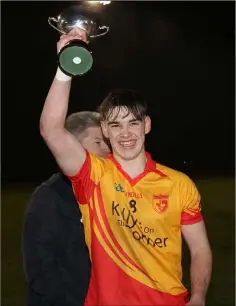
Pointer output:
x,y
125,132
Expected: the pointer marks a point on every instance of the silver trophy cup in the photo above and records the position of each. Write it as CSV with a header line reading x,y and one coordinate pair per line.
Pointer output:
x,y
75,58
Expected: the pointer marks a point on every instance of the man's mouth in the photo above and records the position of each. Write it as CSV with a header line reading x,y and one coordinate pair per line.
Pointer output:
x,y
127,144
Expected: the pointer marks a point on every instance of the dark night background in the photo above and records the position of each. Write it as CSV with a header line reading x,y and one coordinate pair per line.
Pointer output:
x,y
180,55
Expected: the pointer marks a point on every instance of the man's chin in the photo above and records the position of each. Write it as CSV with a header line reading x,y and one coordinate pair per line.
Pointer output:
x,y
128,154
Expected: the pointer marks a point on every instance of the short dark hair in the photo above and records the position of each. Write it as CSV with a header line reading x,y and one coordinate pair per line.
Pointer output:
x,y
127,98
78,123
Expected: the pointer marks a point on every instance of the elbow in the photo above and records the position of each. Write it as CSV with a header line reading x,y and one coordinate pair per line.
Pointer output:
x,y
45,130
48,130
42,128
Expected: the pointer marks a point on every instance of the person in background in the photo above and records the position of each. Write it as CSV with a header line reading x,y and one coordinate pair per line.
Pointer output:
x,y
55,255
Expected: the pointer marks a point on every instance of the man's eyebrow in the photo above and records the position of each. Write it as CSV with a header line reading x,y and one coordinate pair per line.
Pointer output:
x,y
117,122
134,120
113,122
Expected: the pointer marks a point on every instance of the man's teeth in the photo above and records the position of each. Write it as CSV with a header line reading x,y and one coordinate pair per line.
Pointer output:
x,y
127,143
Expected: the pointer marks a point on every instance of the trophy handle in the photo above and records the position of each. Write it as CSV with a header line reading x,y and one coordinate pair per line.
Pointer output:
x,y
102,31
53,19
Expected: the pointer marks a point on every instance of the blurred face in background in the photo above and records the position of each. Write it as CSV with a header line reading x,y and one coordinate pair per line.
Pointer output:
x,y
93,141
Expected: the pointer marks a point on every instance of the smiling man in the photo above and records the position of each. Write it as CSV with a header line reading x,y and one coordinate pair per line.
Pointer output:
x,y
134,209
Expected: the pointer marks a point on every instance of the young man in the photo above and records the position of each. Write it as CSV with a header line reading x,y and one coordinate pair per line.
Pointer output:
x,y
134,210
56,258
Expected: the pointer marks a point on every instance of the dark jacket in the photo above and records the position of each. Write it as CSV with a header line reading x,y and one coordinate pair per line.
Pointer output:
x,y
56,259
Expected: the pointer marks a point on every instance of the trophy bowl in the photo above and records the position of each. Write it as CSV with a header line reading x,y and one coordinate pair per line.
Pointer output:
x,y
75,58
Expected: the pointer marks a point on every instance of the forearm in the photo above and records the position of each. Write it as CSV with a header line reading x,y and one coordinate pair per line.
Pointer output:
x,y
200,272
55,107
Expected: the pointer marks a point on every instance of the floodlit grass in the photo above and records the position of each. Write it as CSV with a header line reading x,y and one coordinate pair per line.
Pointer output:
x,y
218,206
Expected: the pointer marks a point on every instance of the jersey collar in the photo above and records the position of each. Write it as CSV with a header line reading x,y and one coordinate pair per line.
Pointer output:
x,y
149,167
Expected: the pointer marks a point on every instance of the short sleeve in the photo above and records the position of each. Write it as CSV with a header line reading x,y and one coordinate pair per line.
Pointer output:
x,y
84,182
191,202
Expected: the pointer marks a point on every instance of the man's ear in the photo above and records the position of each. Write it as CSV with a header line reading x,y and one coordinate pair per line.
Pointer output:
x,y
147,125
104,129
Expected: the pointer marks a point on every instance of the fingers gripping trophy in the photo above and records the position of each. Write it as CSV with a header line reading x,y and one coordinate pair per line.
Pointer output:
x,y
75,57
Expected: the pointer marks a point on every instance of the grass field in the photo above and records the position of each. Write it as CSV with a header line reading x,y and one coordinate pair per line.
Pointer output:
x,y
218,206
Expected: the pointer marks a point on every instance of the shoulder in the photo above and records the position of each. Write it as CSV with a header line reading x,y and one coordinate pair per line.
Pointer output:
x,y
43,197
100,161
94,167
53,185
47,187
179,178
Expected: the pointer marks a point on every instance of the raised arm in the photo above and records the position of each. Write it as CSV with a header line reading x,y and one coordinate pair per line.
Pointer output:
x,y
68,152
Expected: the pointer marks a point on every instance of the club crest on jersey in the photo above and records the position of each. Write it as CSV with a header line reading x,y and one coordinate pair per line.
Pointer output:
x,y
160,202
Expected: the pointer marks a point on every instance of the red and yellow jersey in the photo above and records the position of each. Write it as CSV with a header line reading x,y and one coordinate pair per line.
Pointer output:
x,y
133,231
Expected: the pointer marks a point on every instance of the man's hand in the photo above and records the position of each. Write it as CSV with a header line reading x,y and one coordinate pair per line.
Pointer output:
x,y
196,301
75,33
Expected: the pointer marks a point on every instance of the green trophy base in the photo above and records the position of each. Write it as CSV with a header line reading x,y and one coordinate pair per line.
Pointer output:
x,y
75,58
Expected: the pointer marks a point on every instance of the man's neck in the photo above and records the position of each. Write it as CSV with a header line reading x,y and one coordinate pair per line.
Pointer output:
x,y
135,166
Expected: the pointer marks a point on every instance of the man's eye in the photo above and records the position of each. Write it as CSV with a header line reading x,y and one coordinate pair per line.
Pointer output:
x,y
134,123
114,125
98,142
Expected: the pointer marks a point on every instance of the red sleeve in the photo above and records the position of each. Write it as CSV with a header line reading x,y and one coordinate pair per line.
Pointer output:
x,y
191,203
84,182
